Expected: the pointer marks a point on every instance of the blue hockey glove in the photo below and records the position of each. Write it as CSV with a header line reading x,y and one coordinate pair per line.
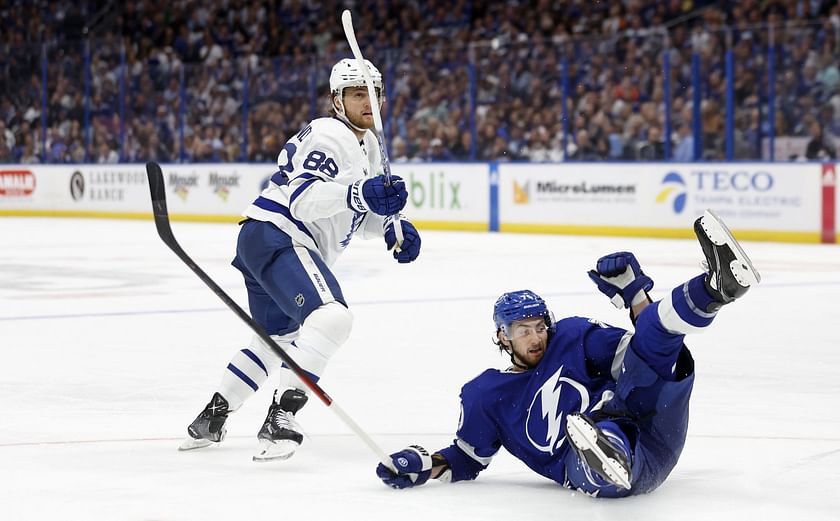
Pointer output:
x,y
410,247
374,195
619,276
413,464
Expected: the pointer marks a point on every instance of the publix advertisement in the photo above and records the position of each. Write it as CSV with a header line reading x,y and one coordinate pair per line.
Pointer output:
x,y
446,195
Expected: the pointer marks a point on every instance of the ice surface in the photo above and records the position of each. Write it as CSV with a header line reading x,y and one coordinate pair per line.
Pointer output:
x,y
111,346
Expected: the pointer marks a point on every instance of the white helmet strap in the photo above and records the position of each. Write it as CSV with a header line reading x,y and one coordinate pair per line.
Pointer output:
x,y
341,114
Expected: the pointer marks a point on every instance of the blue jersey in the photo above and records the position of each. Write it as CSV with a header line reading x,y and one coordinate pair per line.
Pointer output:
x,y
525,412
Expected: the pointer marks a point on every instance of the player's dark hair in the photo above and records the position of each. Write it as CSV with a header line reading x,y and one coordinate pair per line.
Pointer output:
x,y
498,343
503,349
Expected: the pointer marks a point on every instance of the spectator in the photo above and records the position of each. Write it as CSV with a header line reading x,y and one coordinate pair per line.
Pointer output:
x,y
437,151
105,154
6,155
615,139
29,155
585,151
399,150
7,138
818,147
685,143
513,51
462,150
537,149
829,75
653,148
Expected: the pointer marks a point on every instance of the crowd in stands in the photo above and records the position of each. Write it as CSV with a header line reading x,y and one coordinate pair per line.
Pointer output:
x,y
231,80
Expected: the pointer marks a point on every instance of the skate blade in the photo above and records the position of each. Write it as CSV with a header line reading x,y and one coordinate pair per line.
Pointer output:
x,y
742,267
193,444
275,451
584,436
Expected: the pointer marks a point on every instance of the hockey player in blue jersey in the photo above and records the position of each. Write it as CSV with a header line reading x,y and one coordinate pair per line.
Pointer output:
x,y
596,408
326,191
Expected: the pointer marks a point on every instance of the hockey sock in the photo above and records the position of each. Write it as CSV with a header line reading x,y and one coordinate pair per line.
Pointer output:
x,y
249,368
683,311
661,328
698,293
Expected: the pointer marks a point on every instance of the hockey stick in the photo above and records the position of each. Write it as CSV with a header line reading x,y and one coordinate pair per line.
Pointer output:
x,y
379,130
158,191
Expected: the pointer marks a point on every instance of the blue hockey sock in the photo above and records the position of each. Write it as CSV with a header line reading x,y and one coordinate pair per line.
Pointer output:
x,y
683,311
698,293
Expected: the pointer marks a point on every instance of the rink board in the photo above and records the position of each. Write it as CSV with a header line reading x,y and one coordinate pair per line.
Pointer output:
x,y
793,202
763,201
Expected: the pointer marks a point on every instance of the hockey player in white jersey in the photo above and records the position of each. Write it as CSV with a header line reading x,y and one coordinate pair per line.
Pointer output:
x,y
326,191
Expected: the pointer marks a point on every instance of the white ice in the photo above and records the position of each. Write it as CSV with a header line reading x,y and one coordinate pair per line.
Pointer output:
x,y
111,346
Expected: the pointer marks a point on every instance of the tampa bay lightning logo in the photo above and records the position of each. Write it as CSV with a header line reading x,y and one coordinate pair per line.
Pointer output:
x,y
546,415
673,191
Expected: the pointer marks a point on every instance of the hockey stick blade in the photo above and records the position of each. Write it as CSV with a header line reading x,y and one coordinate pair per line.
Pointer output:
x,y
157,188
158,191
350,33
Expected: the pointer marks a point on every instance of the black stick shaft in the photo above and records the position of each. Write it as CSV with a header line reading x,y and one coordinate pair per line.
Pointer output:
x,y
158,192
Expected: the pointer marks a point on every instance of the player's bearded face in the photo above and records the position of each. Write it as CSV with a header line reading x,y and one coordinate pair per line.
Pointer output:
x,y
528,339
357,107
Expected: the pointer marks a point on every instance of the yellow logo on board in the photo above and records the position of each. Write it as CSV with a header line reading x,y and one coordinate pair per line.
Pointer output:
x,y
521,193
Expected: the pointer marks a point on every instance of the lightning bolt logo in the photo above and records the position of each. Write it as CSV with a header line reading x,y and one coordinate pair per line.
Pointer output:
x,y
550,399
544,434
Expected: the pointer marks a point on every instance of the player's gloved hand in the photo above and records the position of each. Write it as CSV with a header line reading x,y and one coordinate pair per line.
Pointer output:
x,y
375,195
413,464
410,247
619,276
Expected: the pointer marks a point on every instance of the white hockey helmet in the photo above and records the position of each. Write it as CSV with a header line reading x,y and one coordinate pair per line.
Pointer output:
x,y
346,73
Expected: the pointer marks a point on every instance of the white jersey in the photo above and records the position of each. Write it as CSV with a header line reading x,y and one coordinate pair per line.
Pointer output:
x,y
307,197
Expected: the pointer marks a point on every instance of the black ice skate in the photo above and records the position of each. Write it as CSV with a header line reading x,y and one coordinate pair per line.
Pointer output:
x,y
598,449
730,271
281,435
209,426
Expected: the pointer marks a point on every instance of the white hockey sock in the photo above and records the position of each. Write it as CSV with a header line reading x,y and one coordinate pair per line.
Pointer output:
x,y
250,367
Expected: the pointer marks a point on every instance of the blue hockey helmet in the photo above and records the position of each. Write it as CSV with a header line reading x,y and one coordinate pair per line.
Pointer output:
x,y
519,305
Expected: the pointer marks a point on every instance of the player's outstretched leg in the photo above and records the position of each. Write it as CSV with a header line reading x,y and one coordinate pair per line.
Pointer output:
x,y
281,435
731,273
603,448
209,425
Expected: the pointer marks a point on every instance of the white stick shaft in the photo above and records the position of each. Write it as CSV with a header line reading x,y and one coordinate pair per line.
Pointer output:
x,y
350,33
383,458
